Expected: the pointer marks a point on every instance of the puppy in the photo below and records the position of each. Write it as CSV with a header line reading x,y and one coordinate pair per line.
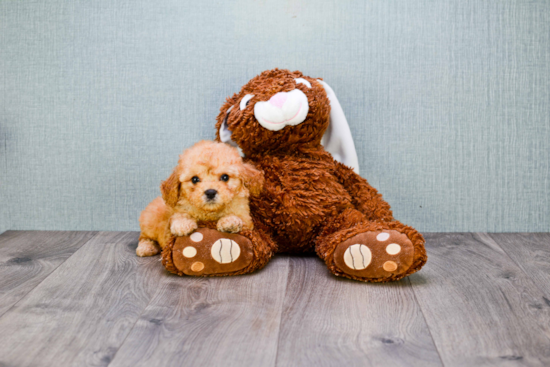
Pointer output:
x,y
210,183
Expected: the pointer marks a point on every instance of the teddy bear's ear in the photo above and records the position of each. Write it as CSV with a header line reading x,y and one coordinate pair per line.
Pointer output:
x,y
337,139
171,189
225,133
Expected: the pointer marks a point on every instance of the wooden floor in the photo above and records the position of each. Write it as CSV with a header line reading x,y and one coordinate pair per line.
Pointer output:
x,y
85,298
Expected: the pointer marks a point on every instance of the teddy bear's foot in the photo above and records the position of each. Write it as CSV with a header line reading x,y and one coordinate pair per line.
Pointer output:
x,y
209,252
375,255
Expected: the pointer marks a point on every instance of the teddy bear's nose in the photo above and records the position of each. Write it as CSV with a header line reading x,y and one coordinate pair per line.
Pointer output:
x,y
278,100
210,193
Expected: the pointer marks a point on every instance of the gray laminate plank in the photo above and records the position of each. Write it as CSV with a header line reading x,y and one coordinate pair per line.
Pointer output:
x,y
81,314
229,321
531,252
329,321
28,257
480,306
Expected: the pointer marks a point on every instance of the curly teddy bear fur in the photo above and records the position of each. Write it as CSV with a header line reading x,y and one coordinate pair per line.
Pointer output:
x,y
310,202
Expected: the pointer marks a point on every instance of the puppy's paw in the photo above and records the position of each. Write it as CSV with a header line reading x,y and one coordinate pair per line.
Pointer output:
x,y
182,226
147,248
231,224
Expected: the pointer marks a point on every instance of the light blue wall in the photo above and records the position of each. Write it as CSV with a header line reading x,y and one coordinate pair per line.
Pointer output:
x,y
448,101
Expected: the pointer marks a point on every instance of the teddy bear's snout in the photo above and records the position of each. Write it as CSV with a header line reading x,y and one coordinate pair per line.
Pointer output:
x,y
282,109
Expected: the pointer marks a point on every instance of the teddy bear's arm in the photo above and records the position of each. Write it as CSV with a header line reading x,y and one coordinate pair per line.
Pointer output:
x,y
365,197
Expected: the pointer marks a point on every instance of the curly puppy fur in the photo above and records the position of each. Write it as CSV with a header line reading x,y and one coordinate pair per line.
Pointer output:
x,y
211,183
309,202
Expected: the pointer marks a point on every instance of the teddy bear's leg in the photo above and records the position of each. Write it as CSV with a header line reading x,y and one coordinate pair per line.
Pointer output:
x,y
371,251
208,252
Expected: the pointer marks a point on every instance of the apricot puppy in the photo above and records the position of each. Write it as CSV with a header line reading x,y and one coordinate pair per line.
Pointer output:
x,y
210,183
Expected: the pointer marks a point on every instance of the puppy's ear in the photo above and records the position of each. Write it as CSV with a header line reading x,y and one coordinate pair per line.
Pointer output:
x,y
253,179
171,189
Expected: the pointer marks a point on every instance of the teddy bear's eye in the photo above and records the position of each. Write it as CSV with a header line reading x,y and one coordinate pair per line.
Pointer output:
x,y
245,100
224,177
195,179
303,81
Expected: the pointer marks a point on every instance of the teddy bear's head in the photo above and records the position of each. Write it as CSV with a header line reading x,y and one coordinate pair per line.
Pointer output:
x,y
282,111
276,110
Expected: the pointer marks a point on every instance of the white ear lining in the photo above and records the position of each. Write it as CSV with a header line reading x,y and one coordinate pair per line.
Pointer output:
x,y
225,133
337,139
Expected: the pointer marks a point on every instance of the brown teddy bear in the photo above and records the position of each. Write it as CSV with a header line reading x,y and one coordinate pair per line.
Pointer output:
x,y
287,125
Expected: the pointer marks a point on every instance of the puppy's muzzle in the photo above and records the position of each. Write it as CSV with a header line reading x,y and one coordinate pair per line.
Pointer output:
x,y
210,194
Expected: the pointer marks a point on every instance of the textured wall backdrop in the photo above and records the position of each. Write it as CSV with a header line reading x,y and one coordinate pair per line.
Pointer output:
x,y
449,102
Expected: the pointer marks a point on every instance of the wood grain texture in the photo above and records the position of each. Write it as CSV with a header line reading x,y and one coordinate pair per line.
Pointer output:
x,y
481,308
79,299
328,321
230,321
81,314
27,258
531,252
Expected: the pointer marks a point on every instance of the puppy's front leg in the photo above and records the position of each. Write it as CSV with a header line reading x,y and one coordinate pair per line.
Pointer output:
x,y
182,224
230,223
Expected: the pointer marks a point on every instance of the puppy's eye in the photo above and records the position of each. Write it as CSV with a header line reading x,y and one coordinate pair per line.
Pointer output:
x,y
303,81
224,177
195,179
245,100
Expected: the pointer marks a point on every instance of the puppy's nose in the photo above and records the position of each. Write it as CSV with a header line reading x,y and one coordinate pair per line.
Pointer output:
x,y
210,193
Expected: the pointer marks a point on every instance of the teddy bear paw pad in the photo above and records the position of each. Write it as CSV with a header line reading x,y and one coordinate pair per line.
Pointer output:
x,y
375,254
209,252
